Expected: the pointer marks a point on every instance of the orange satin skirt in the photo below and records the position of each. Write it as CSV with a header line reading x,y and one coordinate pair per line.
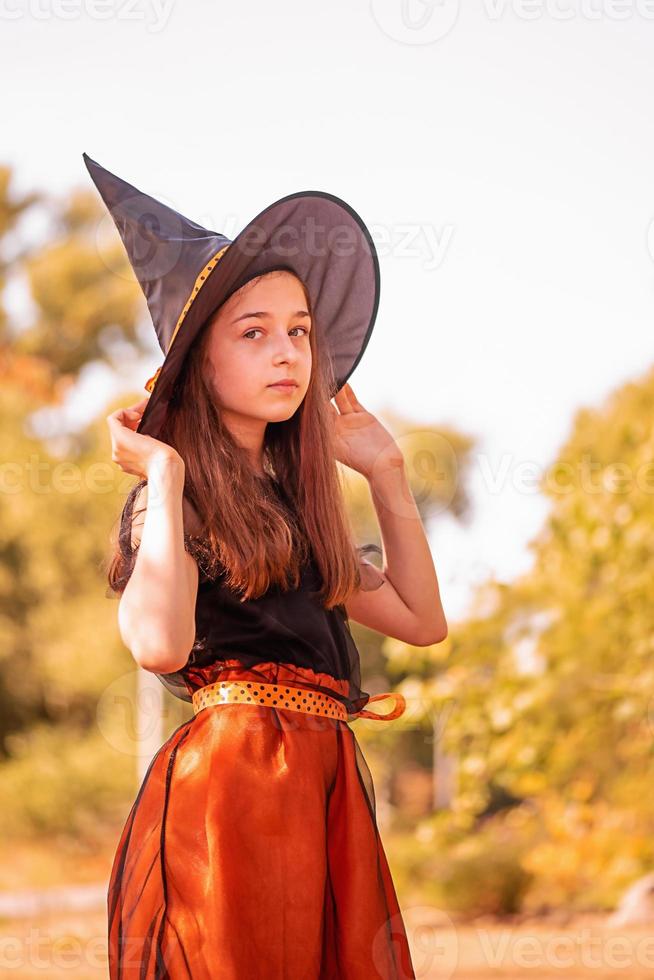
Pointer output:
x,y
252,852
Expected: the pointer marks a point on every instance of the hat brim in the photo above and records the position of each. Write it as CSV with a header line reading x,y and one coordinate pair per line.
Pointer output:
x,y
332,252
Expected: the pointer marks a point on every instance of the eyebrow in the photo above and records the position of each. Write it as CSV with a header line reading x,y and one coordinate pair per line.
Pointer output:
x,y
263,314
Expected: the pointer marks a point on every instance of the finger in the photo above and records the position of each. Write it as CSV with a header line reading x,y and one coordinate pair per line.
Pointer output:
x,y
120,414
138,408
120,422
343,402
352,398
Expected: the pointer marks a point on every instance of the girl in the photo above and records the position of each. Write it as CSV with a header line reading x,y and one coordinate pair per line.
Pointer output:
x,y
252,849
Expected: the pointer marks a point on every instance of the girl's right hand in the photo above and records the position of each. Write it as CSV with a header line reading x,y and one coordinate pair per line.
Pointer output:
x,y
133,451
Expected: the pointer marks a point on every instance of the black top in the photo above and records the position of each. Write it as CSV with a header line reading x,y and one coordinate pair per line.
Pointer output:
x,y
291,626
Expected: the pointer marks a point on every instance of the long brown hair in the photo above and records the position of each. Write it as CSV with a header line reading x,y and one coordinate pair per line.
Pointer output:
x,y
248,532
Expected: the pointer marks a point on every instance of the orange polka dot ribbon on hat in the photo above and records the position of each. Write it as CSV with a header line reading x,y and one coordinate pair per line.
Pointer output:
x,y
201,279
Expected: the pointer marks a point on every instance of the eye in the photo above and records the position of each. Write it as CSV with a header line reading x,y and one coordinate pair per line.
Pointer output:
x,y
258,329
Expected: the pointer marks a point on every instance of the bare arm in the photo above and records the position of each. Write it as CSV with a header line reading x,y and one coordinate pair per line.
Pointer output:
x,y
156,614
407,603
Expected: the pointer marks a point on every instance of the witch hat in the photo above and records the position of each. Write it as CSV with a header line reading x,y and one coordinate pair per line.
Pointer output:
x,y
186,272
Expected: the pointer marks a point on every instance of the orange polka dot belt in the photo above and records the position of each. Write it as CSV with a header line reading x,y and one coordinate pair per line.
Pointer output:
x,y
289,698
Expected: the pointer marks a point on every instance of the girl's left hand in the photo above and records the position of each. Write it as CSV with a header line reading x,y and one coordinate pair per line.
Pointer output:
x,y
362,442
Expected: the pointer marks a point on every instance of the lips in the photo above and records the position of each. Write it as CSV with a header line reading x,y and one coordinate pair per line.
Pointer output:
x,y
283,384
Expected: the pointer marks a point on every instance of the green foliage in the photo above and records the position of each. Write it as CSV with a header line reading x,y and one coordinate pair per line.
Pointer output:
x,y
60,647
63,780
476,874
547,689
12,210
86,296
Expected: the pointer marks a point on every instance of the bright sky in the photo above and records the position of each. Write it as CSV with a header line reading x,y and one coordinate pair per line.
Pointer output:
x,y
502,155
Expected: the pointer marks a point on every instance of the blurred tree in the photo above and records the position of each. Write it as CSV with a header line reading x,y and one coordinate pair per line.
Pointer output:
x,y
12,209
548,687
61,648
86,298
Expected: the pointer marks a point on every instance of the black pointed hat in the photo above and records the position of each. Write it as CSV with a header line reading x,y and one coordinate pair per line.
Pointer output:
x,y
186,272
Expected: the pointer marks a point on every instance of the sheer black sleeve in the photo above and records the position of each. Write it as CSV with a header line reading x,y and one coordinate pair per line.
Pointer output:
x,y
127,553
371,577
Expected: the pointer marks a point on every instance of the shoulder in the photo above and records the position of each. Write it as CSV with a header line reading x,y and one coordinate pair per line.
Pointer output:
x,y
136,507
132,517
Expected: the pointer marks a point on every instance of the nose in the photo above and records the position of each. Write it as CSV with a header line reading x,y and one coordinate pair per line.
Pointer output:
x,y
285,350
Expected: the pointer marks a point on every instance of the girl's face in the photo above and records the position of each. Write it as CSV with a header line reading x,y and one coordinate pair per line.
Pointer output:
x,y
260,336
